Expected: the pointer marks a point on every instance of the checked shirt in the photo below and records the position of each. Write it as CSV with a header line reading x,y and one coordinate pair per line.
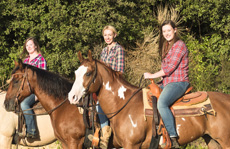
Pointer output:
x,y
175,64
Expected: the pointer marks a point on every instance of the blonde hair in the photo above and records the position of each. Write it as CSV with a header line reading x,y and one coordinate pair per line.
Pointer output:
x,y
109,27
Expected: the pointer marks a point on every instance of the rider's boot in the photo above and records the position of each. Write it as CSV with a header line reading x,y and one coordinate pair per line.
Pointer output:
x,y
104,139
174,142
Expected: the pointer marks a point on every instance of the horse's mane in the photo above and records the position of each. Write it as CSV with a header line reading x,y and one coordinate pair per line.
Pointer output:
x,y
116,74
51,83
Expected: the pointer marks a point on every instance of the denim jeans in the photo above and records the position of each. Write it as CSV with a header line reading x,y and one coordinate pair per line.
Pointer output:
x,y
104,121
27,103
170,93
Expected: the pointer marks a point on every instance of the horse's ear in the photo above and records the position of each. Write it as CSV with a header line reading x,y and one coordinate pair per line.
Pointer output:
x,y
80,56
90,55
19,63
16,63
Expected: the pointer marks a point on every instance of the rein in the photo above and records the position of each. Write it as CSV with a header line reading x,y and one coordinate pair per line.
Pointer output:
x,y
40,107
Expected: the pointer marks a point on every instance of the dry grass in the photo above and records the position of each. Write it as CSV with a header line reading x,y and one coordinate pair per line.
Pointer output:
x,y
145,57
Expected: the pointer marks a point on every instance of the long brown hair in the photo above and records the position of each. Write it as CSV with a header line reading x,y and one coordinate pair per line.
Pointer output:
x,y
25,52
164,46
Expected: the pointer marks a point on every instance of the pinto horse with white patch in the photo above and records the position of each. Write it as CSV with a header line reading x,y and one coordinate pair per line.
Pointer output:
x,y
123,104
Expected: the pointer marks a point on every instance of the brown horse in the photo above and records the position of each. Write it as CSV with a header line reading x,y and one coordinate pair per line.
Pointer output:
x,y
52,91
130,128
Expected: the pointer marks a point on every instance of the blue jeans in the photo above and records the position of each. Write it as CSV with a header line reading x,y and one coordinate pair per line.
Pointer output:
x,y
170,93
104,121
27,103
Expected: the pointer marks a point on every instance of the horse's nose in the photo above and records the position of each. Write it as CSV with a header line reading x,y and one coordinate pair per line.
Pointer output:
x,y
9,105
72,98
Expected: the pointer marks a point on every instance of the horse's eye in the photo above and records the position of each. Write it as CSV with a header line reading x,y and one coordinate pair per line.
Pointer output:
x,y
16,81
88,74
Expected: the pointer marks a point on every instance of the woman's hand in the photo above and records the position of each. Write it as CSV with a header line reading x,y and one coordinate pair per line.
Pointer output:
x,y
147,75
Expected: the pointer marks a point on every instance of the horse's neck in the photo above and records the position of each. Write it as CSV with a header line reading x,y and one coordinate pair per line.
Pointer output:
x,y
114,91
113,95
47,101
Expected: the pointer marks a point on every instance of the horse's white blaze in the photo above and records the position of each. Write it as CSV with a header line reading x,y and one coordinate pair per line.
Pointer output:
x,y
178,126
183,119
77,89
134,125
121,92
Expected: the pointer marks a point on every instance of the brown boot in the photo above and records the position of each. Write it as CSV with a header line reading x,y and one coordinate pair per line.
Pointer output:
x,y
104,139
174,143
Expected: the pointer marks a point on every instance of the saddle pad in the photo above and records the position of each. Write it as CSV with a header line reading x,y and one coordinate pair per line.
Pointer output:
x,y
194,110
146,104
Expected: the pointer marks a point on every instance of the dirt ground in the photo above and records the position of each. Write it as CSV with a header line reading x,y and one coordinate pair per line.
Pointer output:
x,y
51,146
196,144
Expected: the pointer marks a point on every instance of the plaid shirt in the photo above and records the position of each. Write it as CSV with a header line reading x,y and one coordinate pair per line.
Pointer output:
x,y
38,62
175,64
115,58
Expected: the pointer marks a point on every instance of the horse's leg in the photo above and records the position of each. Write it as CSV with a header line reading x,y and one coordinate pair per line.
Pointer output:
x,y
211,143
75,144
5,142
131,146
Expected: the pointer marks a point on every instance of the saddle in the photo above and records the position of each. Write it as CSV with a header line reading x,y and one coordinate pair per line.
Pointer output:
x,y
190,104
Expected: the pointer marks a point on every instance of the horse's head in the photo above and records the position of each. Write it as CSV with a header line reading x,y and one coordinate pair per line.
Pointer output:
x,y
19,86
86,79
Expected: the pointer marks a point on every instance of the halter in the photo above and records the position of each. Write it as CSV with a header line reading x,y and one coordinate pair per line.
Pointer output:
x,y
91,81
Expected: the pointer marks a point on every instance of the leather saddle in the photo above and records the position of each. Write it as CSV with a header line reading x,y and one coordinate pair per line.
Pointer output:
x,y
153,92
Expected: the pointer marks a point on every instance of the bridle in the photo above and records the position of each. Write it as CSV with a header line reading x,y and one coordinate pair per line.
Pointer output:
x,y
21,87
86,92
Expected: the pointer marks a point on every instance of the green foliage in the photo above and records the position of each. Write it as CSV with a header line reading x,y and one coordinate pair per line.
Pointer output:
x,y
209,61
206,17
65,27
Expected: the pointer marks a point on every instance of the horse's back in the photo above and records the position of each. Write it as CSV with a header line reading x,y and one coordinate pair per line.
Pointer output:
x,y
218,124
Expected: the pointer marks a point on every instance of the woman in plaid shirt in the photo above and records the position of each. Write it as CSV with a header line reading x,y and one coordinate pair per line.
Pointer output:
x,y
33,57
174,73
113,56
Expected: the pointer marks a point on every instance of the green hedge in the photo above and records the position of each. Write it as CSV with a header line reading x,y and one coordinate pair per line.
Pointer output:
x,y
65,27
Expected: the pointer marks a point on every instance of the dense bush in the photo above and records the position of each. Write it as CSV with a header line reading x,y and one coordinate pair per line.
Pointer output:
x,y
65,27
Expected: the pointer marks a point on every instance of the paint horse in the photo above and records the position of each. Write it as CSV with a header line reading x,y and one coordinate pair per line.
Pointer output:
x,y
123,104
9,124
51,90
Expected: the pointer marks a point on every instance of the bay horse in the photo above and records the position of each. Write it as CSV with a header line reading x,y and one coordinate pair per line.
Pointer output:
x,y
123,104
9,124
51,90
